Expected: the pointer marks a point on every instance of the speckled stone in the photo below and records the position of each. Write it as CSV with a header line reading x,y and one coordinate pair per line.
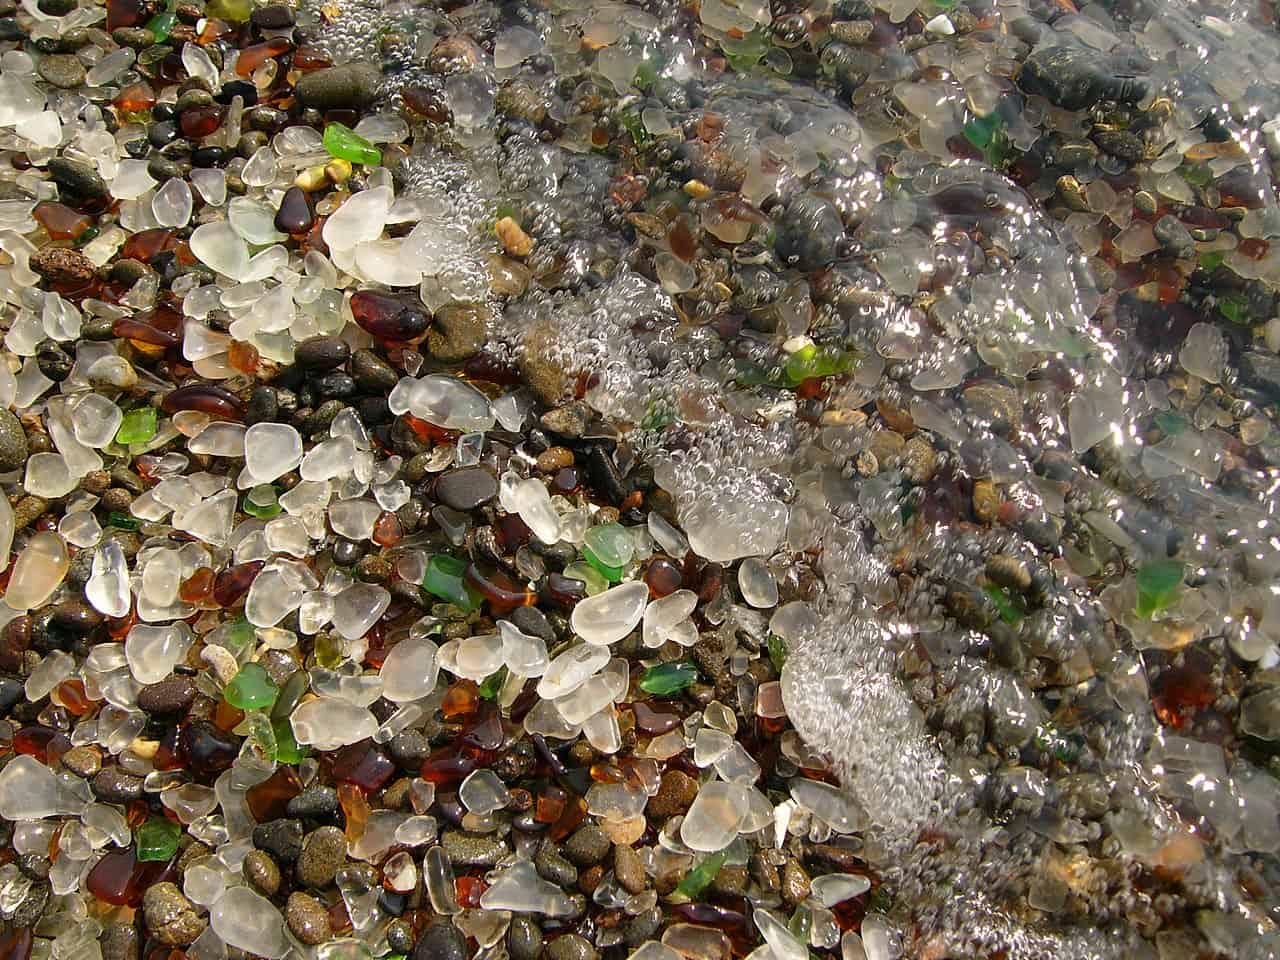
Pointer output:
x,y
13,442
307,918
588,846
675,794
472,849
171,917
82,761
261,872
628,868
571,946
324,850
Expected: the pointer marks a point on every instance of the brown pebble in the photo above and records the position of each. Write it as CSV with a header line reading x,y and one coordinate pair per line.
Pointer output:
x,y
171,695
795,883
554,458
261,872
986,501
63,265
307,918
628,868
513,238
675,794
26,510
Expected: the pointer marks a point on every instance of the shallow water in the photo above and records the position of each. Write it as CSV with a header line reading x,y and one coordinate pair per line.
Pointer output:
x,y
1095,400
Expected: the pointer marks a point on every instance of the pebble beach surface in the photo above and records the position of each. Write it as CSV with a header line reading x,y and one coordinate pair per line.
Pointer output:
x,y
639,481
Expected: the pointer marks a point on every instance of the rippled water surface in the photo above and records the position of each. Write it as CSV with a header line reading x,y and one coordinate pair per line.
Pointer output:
x,y
1035,511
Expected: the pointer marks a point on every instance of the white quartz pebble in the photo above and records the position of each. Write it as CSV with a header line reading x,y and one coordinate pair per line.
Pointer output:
x,y
609,616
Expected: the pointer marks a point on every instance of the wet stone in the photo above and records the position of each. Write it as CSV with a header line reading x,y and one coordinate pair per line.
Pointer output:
x,y
346,87
458,331
568,420
372,374
324,850
587,846
261,872
551,866
472,849
280,838
641,927
441,941
119,941
524,939
571,946
171,917
32,906
54,362
169,696
307,919
273,16
466,488
76,178
113,785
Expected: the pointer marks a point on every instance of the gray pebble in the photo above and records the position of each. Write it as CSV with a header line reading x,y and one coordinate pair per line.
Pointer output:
x,y
31,907
76,178
524,939
119,941
64,71
642,927
567,420
324,850
1174,237
409,748
443,941
315,801
13,443
551,866
571,946
321,353
472,849
83,761
280,838
346,87
372,374
171,917
588,845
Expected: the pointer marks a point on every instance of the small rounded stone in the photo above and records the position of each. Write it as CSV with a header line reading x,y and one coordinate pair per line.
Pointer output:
x,y
64,71
321,353
13,443
324,850
441,941
571,946
307,919
587,846
171,695
261,872
171,917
